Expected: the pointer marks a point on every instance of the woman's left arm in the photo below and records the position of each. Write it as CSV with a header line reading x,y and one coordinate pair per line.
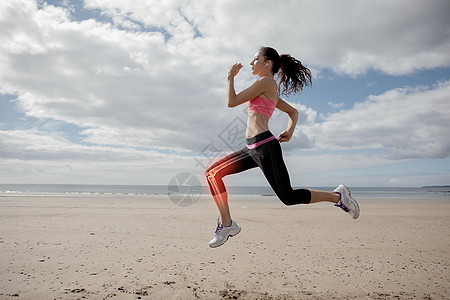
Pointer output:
x,y
256,89
286,135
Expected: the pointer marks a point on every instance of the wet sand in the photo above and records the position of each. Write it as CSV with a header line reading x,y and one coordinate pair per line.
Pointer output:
x,y
145,247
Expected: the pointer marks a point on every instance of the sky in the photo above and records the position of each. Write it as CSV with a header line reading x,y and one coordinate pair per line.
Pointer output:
x,y
134,92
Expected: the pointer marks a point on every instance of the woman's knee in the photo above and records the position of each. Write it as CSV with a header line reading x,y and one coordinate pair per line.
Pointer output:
x,y
287,201
209,175
295,197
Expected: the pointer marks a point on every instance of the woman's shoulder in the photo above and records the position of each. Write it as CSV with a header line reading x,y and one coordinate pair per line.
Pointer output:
x,y
270,85
267,81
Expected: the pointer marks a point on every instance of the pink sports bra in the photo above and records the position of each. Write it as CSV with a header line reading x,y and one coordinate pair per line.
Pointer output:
x,y
262,106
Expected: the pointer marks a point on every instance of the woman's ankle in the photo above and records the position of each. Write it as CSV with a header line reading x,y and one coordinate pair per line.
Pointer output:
x,y
226,222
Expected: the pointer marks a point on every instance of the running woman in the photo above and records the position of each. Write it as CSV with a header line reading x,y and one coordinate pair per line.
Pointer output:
x,y
262,147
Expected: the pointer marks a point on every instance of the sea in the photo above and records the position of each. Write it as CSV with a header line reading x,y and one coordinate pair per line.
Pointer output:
x,y
34,190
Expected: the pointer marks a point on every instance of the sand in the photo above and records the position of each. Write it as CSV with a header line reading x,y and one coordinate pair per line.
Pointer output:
x,y
145,247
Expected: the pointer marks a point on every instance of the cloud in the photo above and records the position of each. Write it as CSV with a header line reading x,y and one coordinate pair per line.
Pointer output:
x,y
40,157
105,79
411,122
336,105
347,36
167,75
40,145
147,74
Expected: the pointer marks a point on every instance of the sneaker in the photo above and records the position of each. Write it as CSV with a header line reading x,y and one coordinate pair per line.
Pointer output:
x,y
347,203
223,233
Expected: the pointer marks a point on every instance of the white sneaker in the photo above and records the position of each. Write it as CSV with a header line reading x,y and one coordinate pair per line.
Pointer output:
x,y
223,233
347,203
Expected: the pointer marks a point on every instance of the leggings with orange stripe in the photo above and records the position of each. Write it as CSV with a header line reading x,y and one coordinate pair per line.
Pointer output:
x,y
269,158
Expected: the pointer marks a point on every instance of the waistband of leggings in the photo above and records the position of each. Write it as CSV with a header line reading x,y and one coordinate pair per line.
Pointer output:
x,y
258,138
253,146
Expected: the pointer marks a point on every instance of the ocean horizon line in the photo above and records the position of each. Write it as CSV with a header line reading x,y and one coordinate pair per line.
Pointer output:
x,y
143,185
93,189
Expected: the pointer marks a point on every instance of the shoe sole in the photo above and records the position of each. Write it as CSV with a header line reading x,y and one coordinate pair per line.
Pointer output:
x,y
230,235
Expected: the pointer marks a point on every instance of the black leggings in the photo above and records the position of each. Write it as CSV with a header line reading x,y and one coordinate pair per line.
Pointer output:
x,y
269,158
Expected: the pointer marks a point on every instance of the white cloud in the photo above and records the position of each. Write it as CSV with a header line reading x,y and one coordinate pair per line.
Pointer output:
x,y
395,37
103,78
336,105
36,156
106,78
39,145
155,78
410,122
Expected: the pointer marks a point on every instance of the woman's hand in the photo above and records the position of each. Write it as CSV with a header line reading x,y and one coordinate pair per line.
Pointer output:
x,y
234,70
285,136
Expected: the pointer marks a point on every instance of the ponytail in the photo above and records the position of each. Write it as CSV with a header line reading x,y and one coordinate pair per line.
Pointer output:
x,y
293,75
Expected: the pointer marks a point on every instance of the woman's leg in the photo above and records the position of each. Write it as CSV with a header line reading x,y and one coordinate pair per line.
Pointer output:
x,y
233,163
221,201
319,196
270,160
272,164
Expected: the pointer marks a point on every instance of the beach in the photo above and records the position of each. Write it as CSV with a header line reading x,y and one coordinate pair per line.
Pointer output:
x,y
146,247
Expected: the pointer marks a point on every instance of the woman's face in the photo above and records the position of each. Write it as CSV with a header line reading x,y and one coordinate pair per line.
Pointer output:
x,y
258,63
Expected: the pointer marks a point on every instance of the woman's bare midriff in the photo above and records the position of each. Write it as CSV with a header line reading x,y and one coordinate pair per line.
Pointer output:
x,y
256,124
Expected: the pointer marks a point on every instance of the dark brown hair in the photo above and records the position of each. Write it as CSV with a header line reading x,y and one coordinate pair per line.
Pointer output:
x,y
293,75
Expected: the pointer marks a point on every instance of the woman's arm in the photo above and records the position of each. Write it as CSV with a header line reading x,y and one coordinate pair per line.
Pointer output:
x,y
256,89
286,135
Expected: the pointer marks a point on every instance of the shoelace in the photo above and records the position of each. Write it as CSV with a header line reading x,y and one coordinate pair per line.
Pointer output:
x,y
341,205
219,227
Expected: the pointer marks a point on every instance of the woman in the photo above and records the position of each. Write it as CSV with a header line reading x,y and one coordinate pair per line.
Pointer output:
x,y
263,149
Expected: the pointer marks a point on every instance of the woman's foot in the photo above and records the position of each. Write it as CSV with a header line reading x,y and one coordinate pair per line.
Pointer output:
x,y
223,233
347,203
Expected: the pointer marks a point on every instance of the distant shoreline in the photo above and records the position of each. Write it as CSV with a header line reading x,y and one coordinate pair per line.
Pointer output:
x,y
28,190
